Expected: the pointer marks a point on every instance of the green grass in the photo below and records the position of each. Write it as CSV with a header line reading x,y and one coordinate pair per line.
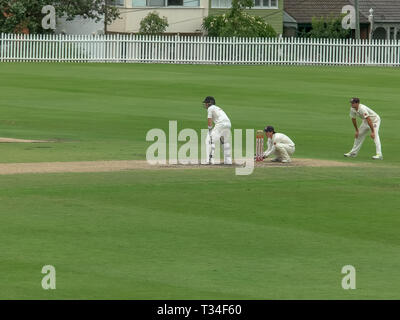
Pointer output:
x,y
104,111
280,233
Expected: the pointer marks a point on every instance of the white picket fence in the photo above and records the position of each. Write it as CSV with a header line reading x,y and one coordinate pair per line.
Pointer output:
x,y
197,50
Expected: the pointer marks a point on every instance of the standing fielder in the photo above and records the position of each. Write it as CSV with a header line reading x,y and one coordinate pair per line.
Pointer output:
x,y
371,121
280,145
221,131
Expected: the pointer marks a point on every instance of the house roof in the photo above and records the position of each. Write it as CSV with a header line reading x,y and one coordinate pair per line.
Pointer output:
x,y
304,10
384,10
288,20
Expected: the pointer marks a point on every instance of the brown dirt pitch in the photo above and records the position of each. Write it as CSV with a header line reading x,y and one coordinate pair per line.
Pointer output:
x,y
120,165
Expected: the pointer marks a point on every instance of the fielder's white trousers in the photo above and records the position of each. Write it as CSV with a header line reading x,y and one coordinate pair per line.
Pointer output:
x,y
362,133
220,133
284,151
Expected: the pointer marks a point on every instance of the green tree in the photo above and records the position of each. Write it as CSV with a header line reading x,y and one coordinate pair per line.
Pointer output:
x,y
238,23
16,15
330,27
153,24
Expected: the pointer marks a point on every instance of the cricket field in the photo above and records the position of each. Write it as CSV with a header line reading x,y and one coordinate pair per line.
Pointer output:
x,y
282,232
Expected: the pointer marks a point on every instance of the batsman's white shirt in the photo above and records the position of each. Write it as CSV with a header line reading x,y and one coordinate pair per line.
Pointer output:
x,y
222,128
276,139
218,116
364,112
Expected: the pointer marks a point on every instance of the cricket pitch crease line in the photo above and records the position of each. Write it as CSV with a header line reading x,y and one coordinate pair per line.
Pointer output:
x,y
12,140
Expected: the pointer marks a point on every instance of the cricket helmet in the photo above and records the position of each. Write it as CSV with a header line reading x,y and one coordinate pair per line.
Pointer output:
x,y
269,129
209,99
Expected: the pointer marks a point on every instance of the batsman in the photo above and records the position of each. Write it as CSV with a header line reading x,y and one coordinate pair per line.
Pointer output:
x,y
220,132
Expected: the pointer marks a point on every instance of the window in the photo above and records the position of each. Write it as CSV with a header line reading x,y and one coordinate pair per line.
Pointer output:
x,y
118,3
265,4
165,3
138,3
273,4
175,2
191,3
221,3
155,3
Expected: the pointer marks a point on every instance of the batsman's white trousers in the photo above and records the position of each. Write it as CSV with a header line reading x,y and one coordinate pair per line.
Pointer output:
x,y
223,131
284,151
362,133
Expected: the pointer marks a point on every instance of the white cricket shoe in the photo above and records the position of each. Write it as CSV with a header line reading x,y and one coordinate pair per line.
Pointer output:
x,y
377,157
350,155
286,161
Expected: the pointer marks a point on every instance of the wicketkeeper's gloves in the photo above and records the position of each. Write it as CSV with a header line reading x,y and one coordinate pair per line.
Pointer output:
x,y
264,157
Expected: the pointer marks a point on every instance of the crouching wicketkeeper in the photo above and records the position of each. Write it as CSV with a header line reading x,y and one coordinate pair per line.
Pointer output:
x,y
278,144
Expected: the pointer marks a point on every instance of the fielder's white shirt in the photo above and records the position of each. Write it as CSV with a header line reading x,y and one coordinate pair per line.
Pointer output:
x,y
218,115
278,138
364,112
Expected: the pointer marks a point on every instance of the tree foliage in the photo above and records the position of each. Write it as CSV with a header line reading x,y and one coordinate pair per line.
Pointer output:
x,y
330,27
17,15
153,24
238,23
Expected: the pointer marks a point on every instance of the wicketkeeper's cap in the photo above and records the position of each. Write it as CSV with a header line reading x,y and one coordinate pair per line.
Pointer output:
x,y
269,129
209,99
355,100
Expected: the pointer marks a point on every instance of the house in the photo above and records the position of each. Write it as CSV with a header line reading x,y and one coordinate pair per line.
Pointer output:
x,y
186,16
302,12
386,16
270,10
